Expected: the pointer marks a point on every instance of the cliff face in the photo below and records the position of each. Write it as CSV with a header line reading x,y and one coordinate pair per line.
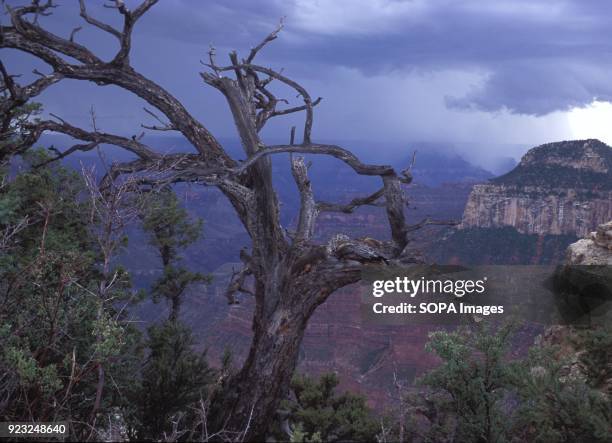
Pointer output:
x,y
558,188
537,210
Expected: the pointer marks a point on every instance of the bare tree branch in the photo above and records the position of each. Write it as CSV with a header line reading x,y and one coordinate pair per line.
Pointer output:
x,y
308,103
34,33
428,221
98,24
60,155
29,37
13,117
320,149
295,108
353,204
165,126
272,36
129,20
130,144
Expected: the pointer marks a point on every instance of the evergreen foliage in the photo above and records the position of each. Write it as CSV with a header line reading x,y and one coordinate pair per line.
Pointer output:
x,y
556,403
318,413
171,229
55,331
481,394
174,379
474,377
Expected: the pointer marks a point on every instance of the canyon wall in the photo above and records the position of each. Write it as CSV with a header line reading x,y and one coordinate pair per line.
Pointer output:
x,y
537,210
557,188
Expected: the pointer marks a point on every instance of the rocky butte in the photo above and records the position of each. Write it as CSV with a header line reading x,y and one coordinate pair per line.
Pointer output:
x,y
557,188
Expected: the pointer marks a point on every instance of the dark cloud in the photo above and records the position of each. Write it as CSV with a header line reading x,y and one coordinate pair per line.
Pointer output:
x,y
539,87
386,68
537,56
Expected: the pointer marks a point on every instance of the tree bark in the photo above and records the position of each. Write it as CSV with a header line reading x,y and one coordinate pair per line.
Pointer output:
x,y
251,399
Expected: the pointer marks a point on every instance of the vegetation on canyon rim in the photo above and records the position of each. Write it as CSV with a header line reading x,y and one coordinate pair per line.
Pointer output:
x,y
69,351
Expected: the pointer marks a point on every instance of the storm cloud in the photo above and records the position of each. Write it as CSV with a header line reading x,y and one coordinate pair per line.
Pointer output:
x,y
535,56
503,71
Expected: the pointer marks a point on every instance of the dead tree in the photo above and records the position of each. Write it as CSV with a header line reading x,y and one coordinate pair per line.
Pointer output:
x,y
292,274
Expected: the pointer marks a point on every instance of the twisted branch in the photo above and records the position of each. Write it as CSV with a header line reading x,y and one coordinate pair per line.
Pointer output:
x,y
30,37
353,204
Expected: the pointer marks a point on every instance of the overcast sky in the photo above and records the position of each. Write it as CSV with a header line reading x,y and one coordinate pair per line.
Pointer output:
x,y
481,74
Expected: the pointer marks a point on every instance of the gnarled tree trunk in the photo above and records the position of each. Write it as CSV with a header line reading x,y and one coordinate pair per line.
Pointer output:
x,y
291,273
252,397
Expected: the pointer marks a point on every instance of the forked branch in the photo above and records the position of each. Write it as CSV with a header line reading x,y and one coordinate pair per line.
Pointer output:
x,y
29,36
270,37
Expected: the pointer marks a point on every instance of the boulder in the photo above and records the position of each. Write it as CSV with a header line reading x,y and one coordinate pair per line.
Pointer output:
x,y
596,249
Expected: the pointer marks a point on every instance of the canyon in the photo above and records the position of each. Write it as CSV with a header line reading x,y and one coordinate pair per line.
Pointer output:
x,y
558,193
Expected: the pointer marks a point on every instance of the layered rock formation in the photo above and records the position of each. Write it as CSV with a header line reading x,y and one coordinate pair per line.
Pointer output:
x,y
557,188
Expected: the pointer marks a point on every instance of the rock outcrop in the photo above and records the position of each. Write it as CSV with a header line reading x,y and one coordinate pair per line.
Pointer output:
x,y
557,188
587,274
595,249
